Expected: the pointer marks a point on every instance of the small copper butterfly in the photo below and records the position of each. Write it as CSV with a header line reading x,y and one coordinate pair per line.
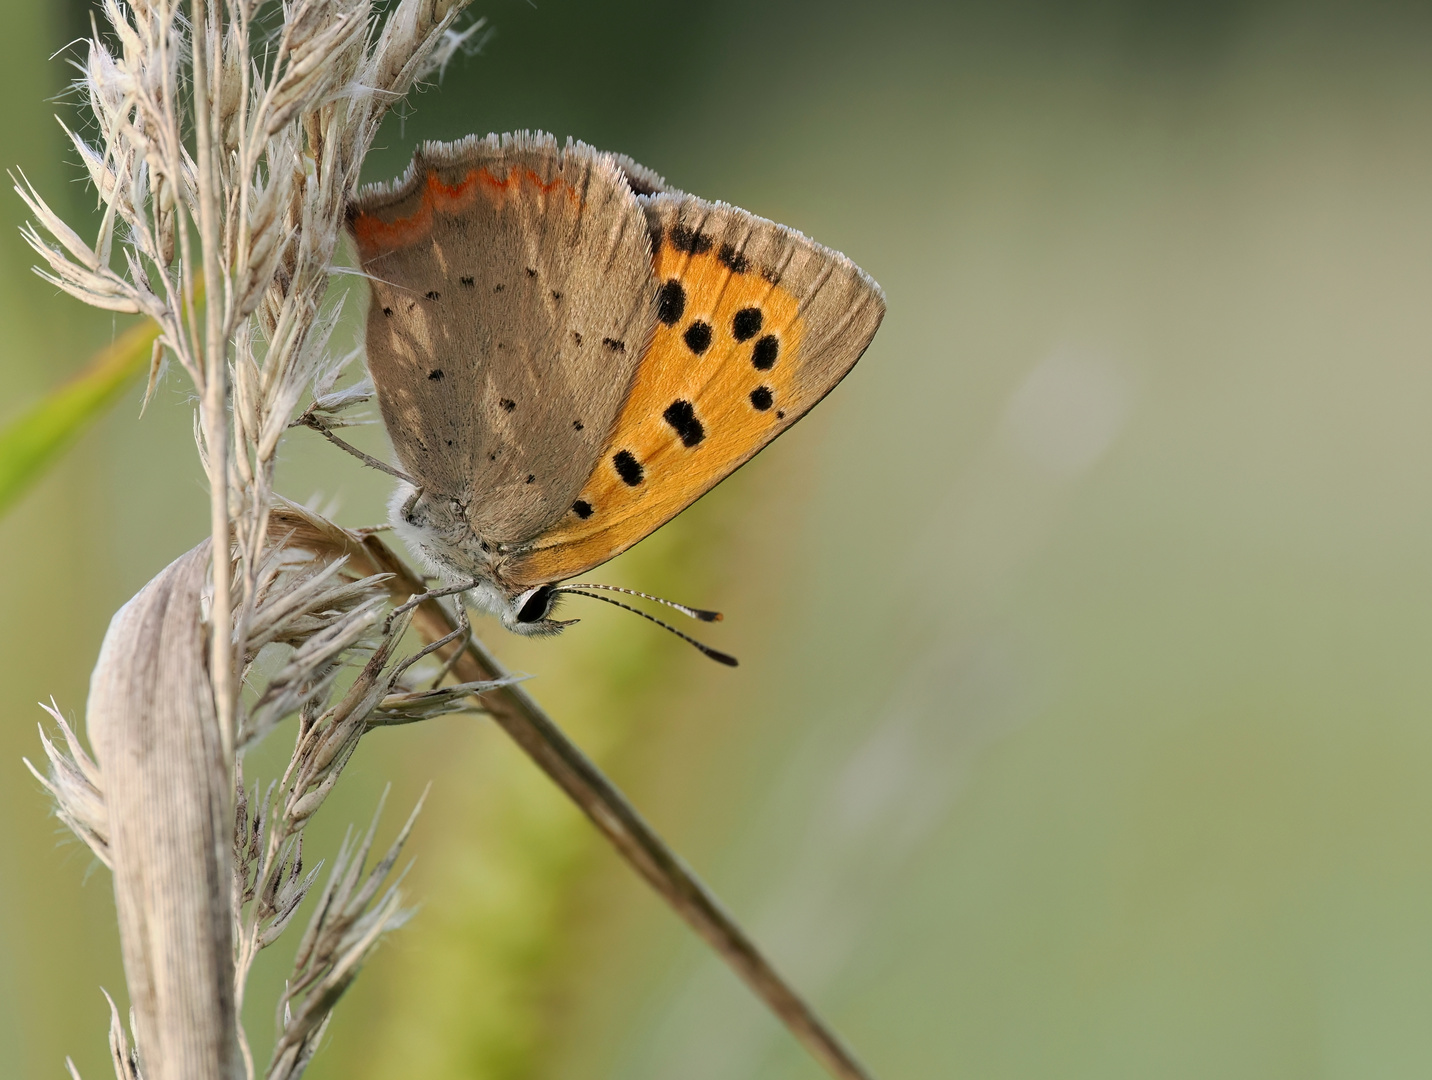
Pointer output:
x,y
567,353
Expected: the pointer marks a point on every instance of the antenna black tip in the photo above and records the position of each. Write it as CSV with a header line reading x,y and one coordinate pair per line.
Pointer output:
x,y
722,658
707,616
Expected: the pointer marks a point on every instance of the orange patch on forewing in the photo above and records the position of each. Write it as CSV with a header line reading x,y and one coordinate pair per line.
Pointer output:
x,y
718,384
376,236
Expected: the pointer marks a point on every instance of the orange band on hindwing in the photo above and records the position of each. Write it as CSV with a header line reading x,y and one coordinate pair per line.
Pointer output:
x,y
375,235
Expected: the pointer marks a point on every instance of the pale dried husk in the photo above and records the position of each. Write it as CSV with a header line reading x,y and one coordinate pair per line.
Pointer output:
x,y
156,738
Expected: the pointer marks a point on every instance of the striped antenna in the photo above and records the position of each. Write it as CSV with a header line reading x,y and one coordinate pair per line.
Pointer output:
x,y
706,650
685,609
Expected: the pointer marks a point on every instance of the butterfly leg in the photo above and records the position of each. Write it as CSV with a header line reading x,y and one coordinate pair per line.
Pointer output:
x,y
406,512
463,630
310,421
433,594
412,501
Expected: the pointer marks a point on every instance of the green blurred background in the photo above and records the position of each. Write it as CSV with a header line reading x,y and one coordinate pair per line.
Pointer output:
x,y
1084,721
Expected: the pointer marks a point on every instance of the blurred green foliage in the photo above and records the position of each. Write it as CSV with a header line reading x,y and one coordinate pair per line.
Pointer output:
x,y
1082,723
33,441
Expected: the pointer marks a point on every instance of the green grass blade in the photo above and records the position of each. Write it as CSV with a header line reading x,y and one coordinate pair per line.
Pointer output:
x,y
36,438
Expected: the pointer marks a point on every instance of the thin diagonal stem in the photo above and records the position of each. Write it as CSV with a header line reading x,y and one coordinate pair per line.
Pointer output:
x,y
529,726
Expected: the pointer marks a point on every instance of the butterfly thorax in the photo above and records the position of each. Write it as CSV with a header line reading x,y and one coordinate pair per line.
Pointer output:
x,y
438,530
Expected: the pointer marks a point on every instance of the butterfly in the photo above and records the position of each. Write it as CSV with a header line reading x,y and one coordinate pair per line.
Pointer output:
x,y
567,353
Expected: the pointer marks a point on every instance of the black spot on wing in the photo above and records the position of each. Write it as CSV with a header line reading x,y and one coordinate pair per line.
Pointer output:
x,y
615,345
498,287
507,404
467,281
747,323
577,425
671,302
577,338
628,467
582,509
763,356
531,477
682,418
556,296
436,374
762,398
433,294
698,337
531,271
684,238
387,311
737,262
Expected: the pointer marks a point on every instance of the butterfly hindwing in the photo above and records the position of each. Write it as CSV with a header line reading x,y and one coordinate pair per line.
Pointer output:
x,y
755,323
512,298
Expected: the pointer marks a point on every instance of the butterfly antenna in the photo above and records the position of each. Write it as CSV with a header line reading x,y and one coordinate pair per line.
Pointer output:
x,y
685,609
715,654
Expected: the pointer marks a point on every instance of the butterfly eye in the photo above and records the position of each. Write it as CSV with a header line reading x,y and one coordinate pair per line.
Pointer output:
x,y
536,606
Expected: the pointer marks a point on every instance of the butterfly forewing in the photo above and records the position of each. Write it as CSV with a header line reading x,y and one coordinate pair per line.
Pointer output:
x,y
755,323
512,300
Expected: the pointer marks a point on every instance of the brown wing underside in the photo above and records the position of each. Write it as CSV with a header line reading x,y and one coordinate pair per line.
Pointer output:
x,y
512,298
